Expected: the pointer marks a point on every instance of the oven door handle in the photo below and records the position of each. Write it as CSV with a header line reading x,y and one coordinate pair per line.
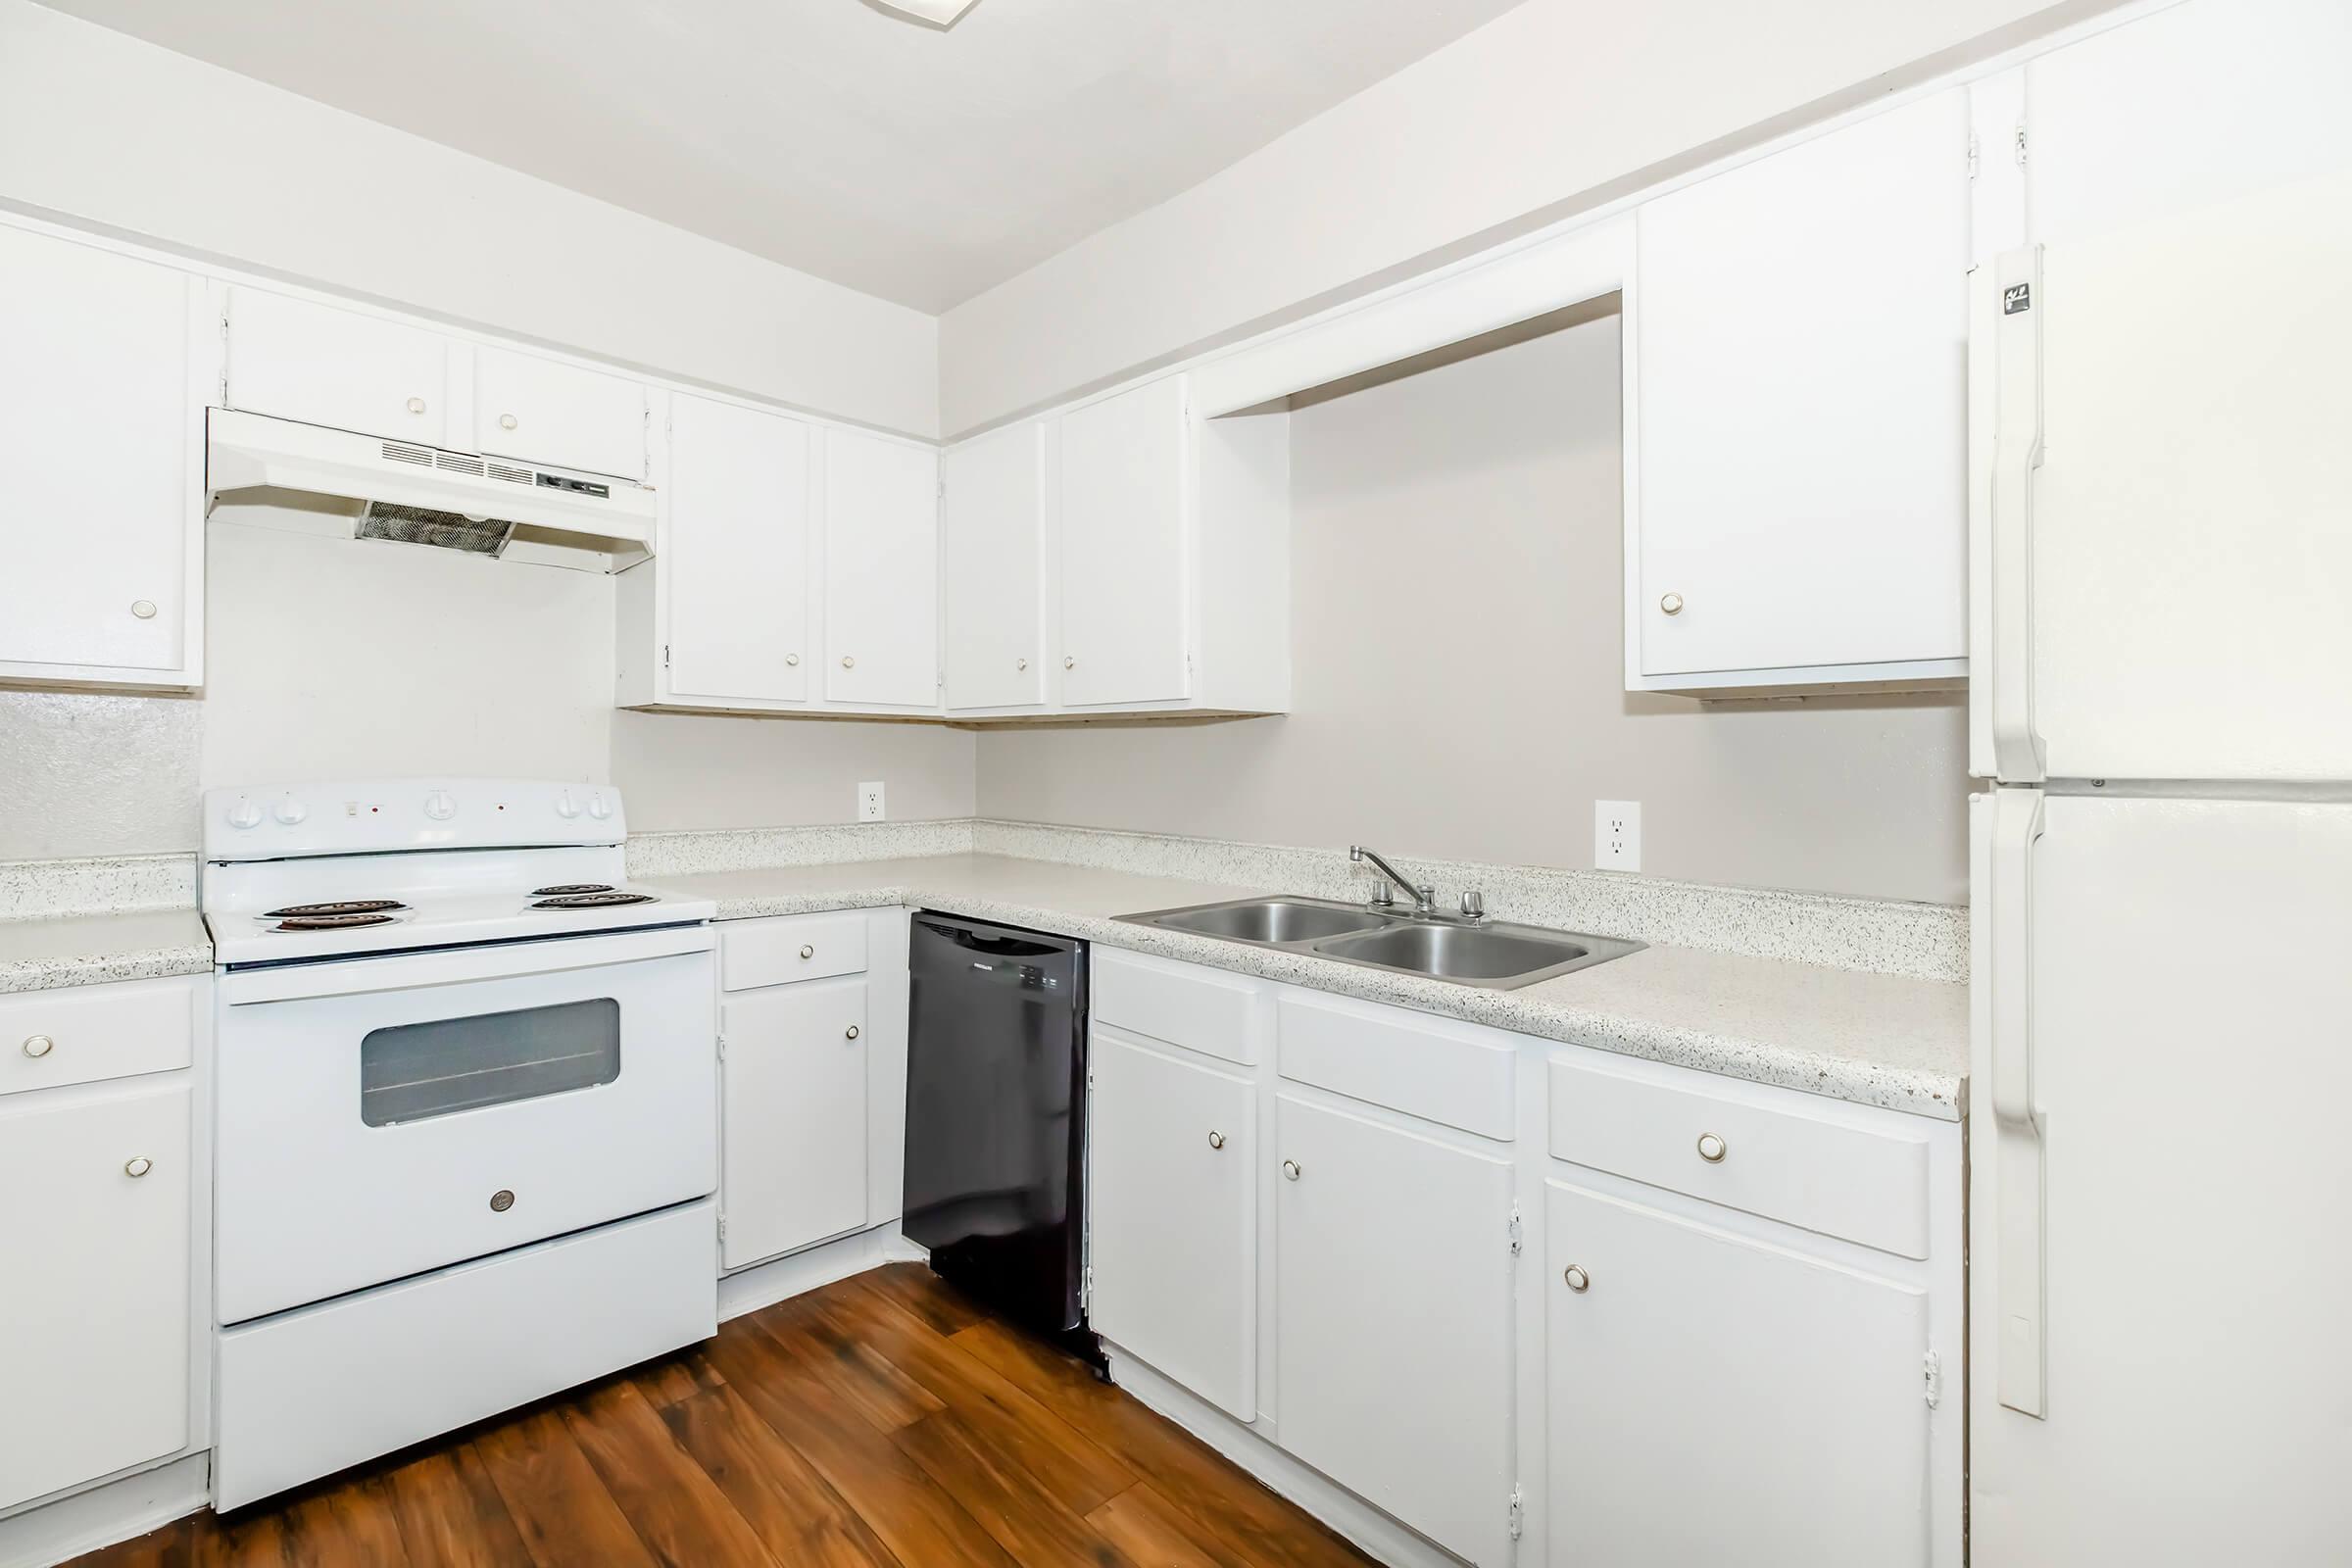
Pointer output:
x,y
493,961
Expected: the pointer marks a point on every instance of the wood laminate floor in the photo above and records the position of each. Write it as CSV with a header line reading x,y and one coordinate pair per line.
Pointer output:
x,y
882,1422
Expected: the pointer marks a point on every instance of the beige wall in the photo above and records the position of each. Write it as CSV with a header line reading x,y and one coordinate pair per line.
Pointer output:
x,y
1552,107
332,659
1458,674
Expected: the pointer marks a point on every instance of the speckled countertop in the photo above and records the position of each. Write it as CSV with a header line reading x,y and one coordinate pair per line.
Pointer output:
x,y
79,950
1873,1038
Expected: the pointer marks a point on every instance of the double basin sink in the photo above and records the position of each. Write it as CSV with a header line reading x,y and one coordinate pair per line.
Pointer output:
x,y
1492,953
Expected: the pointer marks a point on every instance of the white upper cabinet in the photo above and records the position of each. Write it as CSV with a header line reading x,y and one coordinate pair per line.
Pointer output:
x,y
296,360
101,436
735,552
1799,328
1126,558
2163,541
992,519
881,571
540,410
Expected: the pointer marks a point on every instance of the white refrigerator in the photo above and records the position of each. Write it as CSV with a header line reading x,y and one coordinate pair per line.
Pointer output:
x,y
2160,1118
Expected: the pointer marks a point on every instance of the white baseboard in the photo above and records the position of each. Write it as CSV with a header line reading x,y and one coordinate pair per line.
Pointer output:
x,y
798,1273
84,1521
1377,1534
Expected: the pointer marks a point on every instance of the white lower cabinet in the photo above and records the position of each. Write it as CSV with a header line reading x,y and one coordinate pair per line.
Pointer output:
x,y
1393,1318
794,1070
94,1282
1719,1398
1173,1200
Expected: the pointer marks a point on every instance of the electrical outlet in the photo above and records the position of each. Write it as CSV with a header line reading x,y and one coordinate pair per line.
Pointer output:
x,y
869,803
1617,835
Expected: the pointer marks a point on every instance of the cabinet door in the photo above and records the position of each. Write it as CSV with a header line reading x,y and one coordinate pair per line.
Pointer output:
x,y
312,362
881,571
1394,1321
990,520
98,438
538,411
1125,551
1801,325
794,1076
1715,1398
736,552
94,1326
1172,1237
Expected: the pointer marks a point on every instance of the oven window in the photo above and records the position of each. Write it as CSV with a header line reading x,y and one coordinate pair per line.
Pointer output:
x,y
415,1070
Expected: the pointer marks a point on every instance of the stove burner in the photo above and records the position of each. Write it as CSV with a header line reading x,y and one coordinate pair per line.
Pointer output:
x,y
339,907
567,889
592,900
333,922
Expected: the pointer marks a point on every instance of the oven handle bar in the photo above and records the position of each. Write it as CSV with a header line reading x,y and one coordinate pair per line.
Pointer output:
x,y
499,961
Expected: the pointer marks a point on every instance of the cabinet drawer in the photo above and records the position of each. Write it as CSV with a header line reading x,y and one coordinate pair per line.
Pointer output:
x,y
1199,1010
1428,1067
80,1034
1811,1168
793,947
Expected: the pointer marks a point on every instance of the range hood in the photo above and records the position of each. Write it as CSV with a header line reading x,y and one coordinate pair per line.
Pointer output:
x,y
423,495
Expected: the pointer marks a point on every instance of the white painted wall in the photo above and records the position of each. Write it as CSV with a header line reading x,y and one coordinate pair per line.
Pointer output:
x,y
100,127
1456,680
1554,107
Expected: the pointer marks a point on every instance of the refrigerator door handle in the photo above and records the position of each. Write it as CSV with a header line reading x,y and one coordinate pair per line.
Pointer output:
x,y
2019,1128
2006,335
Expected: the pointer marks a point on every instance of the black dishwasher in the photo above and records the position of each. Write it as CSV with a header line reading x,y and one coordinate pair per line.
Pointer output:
x,y
995,1113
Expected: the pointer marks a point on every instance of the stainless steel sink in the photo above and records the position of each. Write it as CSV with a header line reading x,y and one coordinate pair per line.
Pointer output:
x,y
1490,954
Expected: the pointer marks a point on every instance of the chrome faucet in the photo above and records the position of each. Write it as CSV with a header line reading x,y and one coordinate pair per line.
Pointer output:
x,y
1425,895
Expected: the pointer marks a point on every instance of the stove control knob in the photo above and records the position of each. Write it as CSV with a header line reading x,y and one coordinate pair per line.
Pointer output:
x,y
244,814
290,810
440,806
599,807
565,806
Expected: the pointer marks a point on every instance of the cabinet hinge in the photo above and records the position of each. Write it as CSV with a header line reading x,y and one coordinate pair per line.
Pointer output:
x,y
665,656
722,1047
1933,1366
1972,155
1518,1511
1517,1231
2019,147
1086,1287
723,1227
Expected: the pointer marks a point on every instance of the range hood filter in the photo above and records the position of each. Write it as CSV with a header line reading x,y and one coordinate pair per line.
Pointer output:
x,y
445,530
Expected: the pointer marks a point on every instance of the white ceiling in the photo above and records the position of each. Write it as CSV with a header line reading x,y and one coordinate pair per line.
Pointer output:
x,y
917,164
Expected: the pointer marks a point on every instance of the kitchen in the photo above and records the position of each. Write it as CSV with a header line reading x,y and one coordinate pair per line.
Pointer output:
x,y
938,698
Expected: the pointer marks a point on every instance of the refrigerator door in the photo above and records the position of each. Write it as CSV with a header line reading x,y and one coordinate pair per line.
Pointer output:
x,y
2161,1059
2161,527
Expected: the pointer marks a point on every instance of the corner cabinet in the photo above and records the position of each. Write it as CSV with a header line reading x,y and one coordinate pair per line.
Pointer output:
x,y
1797,333
110,363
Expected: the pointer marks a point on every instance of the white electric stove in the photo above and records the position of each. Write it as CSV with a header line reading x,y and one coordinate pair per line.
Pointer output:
x,y
465,1106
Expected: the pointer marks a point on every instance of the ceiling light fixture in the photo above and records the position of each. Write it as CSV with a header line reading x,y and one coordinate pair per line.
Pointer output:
x,y
942,13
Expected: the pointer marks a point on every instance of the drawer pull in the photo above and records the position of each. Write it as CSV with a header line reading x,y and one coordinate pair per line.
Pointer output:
x,y
1711,1149
138,1166
1578,1280
1290,1170
807,952
851,1032
38,1046
1216,1139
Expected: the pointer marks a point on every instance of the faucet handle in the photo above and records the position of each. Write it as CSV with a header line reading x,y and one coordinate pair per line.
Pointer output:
x,y
1474,905
1382,894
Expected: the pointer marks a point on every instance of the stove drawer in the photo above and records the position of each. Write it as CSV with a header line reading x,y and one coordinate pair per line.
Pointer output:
x,y
791,947
82,1034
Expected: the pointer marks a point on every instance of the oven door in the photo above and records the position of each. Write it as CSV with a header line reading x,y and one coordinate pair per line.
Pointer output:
x,y
382,1116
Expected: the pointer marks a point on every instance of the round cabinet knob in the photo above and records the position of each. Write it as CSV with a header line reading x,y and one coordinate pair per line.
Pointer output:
x,y
1290,1170
1578,1280
502,1201
807,952
415,405
440,806
565,806
792,660
1070,663
290,810
851,1032
244,814
38,1046
599,807
1711,1149
847,663
506,422
137,1167
1216,1139
1020,663
1672,604
143,608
